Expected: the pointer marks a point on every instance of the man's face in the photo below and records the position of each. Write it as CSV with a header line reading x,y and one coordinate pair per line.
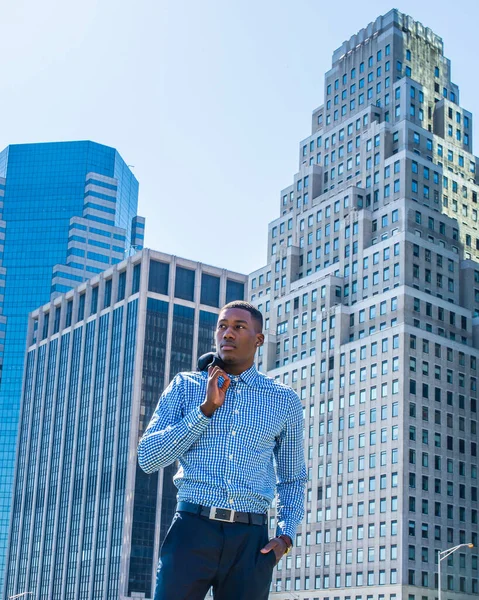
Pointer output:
x,y
237,337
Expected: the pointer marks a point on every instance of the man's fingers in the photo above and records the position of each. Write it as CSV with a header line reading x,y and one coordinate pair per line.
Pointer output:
x,y
216,373
269,546
225,376
226,383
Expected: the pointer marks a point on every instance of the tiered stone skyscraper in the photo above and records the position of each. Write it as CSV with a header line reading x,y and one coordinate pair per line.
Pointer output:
x,y
371,297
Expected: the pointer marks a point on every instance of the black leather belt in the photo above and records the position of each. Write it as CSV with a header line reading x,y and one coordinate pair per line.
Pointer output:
x,y
222,514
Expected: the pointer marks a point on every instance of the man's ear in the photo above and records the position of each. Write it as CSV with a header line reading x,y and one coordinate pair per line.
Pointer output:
x,y
259,339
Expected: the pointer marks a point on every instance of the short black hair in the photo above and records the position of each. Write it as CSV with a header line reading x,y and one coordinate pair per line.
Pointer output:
x,y
253,311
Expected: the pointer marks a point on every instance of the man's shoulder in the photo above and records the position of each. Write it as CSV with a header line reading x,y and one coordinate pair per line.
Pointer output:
x,y
187,381
280,388
192,377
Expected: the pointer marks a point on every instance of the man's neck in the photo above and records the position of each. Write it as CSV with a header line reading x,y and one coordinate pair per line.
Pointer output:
x,y
237,369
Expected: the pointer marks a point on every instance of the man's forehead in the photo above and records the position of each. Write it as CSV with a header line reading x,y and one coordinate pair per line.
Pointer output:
x,y
234,314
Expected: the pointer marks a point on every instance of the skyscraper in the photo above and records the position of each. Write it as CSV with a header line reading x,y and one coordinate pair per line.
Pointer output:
x,y
68,202
371,297
86,521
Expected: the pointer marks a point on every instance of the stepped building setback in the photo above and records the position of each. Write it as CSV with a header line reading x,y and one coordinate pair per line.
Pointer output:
x,y
371,300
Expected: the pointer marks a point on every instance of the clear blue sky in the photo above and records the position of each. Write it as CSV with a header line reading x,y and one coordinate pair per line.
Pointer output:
x,y
207,99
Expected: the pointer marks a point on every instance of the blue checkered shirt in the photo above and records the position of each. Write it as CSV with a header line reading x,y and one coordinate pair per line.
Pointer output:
x,y
227,460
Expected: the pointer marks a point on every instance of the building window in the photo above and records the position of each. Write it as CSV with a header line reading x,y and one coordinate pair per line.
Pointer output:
x,y
158,277
185,284
210,290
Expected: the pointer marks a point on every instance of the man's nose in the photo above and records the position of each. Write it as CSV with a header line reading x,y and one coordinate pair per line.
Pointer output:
x,y
229,333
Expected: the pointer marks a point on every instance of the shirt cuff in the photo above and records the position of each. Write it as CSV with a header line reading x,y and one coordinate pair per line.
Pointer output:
x,y
196,421
287,530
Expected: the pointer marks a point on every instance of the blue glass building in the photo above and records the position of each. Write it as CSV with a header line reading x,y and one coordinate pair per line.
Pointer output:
x,y
45,189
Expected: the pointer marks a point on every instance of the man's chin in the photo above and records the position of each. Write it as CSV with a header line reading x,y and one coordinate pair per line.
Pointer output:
x,y
228,359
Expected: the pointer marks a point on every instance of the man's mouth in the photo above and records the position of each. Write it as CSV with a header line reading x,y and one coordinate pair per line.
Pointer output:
x,y
228,347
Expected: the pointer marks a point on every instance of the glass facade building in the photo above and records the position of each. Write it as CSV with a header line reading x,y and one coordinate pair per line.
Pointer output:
x,y
45,191
86,521
370,295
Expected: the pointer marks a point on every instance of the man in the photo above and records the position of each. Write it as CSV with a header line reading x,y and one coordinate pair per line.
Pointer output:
x,y
224,427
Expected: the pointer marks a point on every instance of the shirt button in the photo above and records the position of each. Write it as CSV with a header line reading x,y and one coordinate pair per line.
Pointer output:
x,y
231,457
233,433
236,412
231,500
229,480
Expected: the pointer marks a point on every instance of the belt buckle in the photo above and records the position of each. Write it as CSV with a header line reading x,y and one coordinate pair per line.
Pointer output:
x,y
222,514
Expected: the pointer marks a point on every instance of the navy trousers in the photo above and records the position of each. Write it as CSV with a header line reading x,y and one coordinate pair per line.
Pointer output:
x,y
199,553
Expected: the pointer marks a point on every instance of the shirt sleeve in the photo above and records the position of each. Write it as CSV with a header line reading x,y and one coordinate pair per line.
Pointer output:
x,y
170,433
291,471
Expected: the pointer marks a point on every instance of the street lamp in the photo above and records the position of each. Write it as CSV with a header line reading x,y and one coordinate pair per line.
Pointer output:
x,y
21,595
441,556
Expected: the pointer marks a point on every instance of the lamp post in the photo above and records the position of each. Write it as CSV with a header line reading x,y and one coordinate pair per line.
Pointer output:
x,y
441,556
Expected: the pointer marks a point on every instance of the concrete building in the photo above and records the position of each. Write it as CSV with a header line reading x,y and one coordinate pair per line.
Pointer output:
x,y
65,202
86,521
371,300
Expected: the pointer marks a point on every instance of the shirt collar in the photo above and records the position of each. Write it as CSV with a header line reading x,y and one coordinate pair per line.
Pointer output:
x,y
249,376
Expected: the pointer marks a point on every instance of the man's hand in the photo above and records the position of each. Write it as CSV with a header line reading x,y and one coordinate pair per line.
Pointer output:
x,y
276,545
215,395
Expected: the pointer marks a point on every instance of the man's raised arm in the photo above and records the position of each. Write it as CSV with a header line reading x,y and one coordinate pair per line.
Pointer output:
x,y
170,433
